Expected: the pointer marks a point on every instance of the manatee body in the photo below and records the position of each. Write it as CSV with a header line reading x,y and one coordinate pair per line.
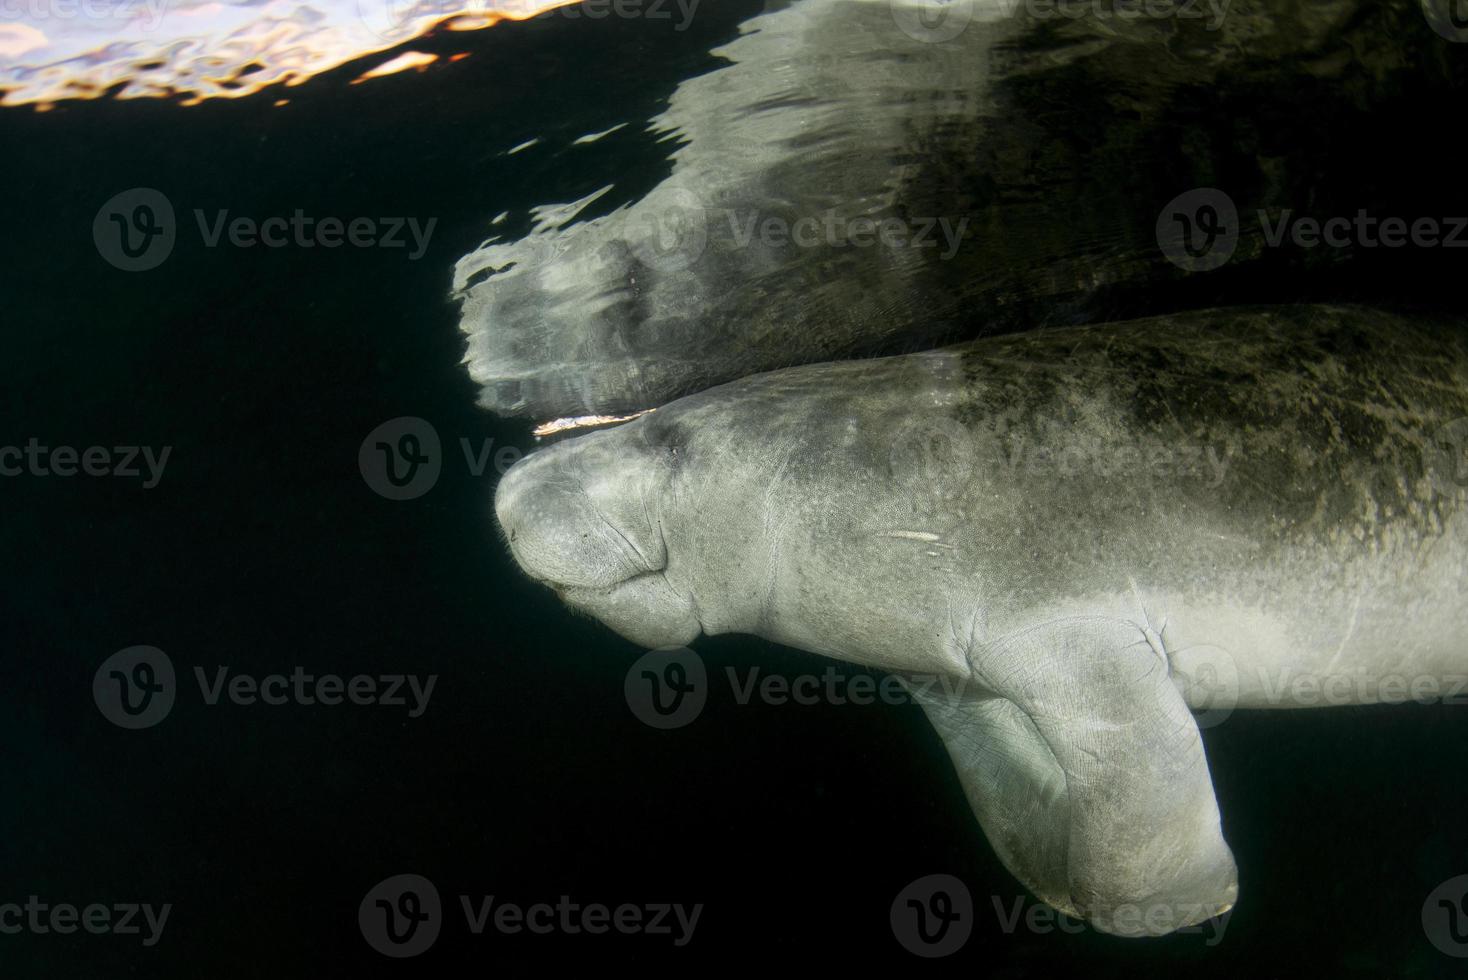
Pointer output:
x,y
1083,532
880,176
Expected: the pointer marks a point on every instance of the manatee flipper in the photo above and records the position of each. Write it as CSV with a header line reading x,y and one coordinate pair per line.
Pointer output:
x,y
1088,776
1013,783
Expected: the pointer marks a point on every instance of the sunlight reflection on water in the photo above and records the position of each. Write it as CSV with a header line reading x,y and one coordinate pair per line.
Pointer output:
x,y
198,49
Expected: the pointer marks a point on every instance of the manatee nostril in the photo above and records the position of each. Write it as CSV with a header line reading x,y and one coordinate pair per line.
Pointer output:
x,y
512,536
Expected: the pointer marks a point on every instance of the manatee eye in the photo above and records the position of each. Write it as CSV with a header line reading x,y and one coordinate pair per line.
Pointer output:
x,y
664,438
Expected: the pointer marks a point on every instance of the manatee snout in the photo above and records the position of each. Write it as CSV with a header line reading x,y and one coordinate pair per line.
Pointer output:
x,y
554,524
582,517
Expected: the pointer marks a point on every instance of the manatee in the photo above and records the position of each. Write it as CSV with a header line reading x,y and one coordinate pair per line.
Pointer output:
x,y
1091,532
879,176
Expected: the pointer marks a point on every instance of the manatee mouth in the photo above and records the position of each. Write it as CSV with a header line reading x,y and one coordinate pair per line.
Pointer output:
x,y
636,566
572,593
644,608
570,589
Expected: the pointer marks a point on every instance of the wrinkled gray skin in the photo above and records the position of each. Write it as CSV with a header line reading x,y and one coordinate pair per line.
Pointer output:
x,y
872,511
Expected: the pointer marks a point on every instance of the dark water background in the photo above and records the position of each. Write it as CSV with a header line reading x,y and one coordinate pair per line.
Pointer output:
x,y
527,778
